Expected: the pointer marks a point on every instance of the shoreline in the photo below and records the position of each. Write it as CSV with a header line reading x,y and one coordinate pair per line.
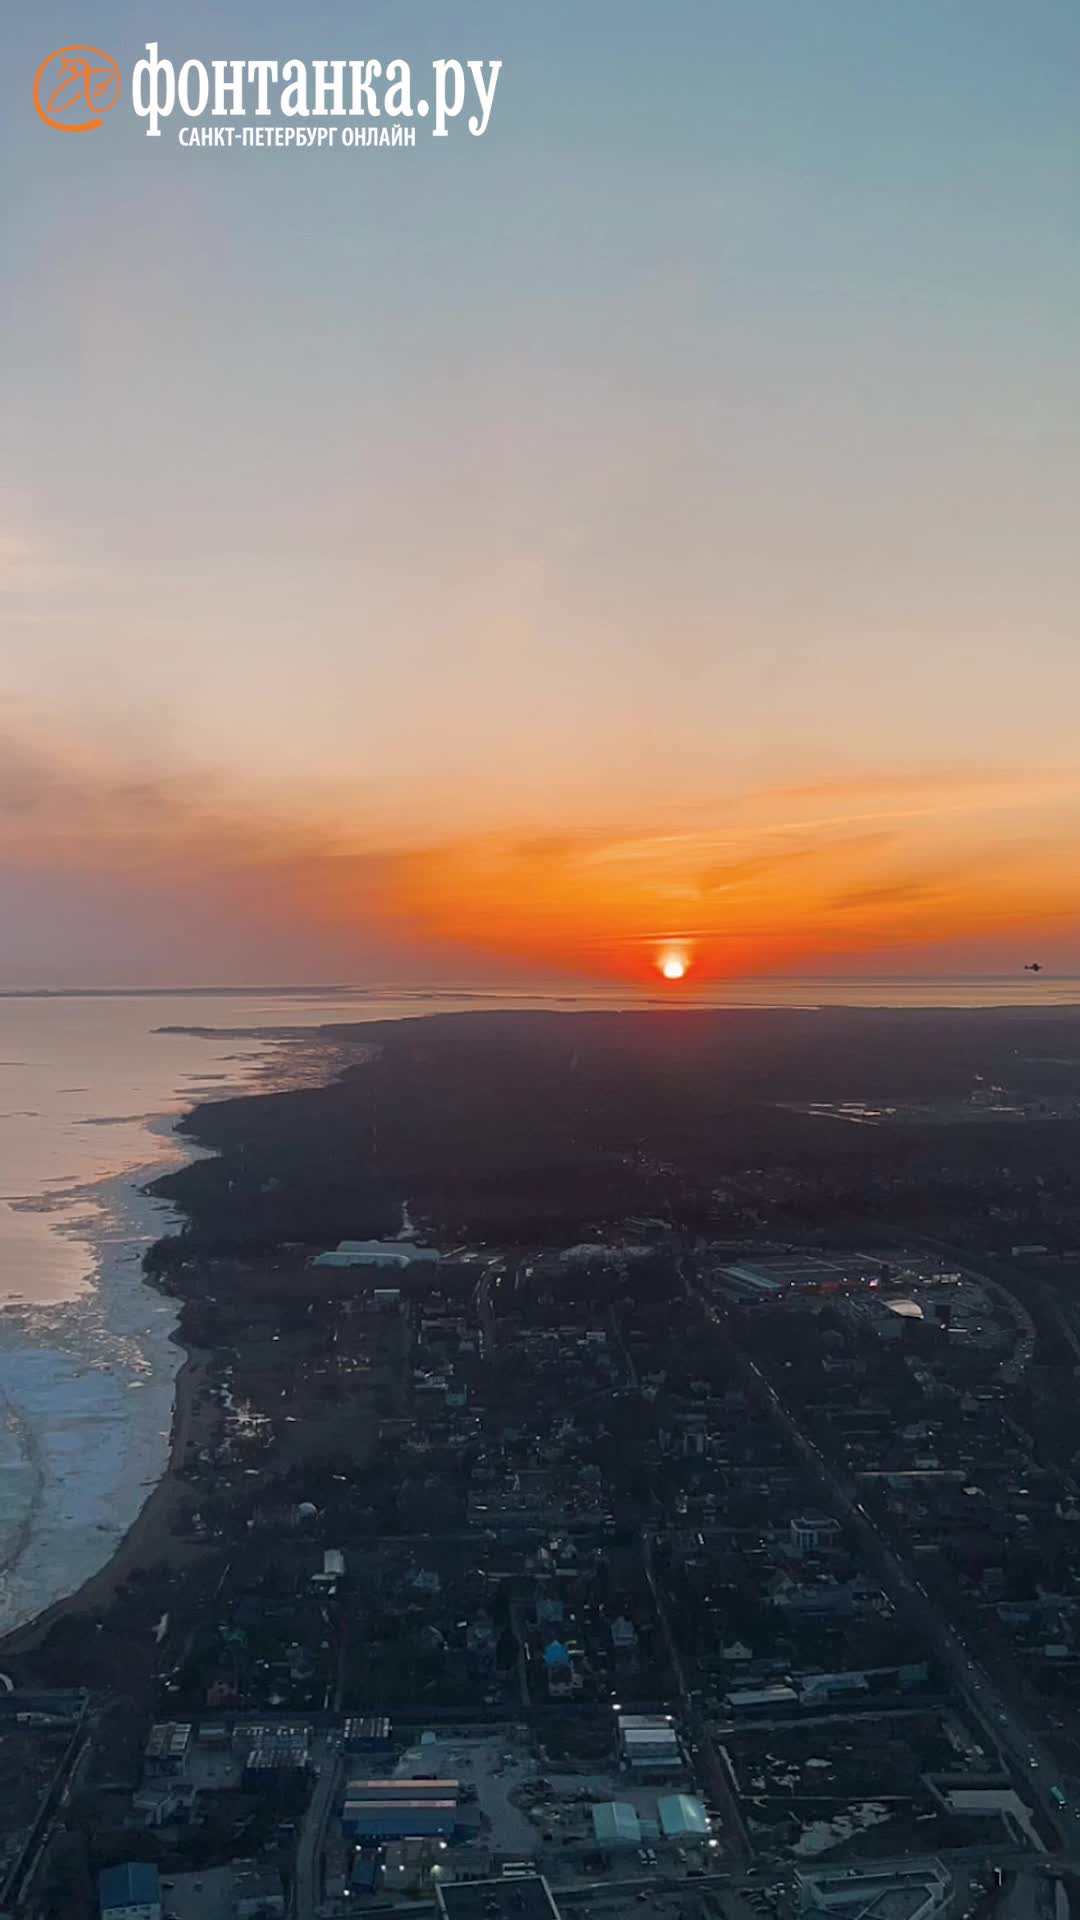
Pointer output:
x,y
149,1540
136,1214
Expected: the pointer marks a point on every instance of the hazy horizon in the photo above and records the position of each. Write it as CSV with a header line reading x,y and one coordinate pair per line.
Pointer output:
x,y
391,999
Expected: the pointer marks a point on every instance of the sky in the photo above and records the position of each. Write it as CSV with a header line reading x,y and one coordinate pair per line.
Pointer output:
x,y
651,528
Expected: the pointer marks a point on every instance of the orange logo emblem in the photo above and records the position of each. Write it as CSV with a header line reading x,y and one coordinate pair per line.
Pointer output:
x,y
75,88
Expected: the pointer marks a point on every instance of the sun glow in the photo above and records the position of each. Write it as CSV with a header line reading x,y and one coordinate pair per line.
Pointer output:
x,y
673,966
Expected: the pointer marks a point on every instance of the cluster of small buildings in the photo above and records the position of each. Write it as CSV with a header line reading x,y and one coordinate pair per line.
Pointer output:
x,y
511,1498
932,1438
492,1560
263,1752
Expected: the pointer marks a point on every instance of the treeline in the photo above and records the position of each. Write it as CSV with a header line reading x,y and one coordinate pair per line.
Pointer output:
x,y
283,1168
547,1129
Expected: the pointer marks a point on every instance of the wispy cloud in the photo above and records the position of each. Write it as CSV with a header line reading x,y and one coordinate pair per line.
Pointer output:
x,y
28,569
884,781
725,876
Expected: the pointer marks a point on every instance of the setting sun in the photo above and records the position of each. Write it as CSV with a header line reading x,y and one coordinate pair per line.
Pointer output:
x,y
673,967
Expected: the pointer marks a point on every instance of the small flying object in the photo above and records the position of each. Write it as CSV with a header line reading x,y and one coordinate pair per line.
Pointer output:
x,y
1032,966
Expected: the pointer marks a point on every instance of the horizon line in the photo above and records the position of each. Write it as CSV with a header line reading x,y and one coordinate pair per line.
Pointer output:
x,y
561,989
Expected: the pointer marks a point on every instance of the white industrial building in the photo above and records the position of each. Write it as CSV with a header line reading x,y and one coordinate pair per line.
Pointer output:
x,y
398,1254
775,1695
333,1568
648,1743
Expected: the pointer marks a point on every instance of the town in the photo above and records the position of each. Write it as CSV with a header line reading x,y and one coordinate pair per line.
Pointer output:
x,y
740,1580
591,1486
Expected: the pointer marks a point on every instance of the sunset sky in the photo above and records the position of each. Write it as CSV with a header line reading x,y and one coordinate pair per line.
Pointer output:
x,y
652,527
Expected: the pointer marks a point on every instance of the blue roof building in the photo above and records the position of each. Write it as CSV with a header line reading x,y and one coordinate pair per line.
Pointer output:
x,y
130,1892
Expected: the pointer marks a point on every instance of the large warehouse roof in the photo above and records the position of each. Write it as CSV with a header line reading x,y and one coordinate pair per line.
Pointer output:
x,y
134,1885
402,1788
682,1818
615,1822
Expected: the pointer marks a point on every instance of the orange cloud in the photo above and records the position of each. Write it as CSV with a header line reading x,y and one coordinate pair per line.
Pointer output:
x,y
762,882
609,908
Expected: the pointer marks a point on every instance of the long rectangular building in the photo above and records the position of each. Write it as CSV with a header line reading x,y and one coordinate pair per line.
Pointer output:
x,y
401,1809
648,1743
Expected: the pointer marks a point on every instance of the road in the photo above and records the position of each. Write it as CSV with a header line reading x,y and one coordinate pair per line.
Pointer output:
x,y
25,1865
709,1764
307,1887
